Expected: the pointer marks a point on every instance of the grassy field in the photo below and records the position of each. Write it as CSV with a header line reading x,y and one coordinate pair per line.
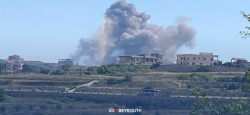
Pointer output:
x,y
158,80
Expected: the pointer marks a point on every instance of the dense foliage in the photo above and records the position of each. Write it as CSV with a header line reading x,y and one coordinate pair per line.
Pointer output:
x,y
116,69
208,106
246,33
112,81
3,68
195,77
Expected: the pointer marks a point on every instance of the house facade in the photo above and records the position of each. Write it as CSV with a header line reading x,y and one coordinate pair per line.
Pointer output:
x,y
240,63
206,59
143,58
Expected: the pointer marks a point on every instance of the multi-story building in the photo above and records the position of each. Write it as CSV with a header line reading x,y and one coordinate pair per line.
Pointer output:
x,y
240,62
65,61
143,58
197,59
14,62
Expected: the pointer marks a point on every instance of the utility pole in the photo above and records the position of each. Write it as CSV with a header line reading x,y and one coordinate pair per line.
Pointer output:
x,y
80,72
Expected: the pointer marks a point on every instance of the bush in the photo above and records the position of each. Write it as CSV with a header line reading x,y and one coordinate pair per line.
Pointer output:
x,y
231,79
148,87
44,107
117,69
183,77
202,69
111,81
245,87
7,82
58,72
127,78
44,71
231,86
91,71
2,109
18,107
28,68
3,95
156,65
207,77
72,107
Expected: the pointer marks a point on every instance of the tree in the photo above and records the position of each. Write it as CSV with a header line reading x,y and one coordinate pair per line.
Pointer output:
x,y
66,67
28,68
44,71
2,109
3,69
111,81
227,64
18,107
127,78
3,94
246,34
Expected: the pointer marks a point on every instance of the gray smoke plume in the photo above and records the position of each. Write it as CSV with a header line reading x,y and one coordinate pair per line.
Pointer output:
x,y
126,32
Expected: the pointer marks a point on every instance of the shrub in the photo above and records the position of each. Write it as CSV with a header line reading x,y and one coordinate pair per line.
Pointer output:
x,y
58,106
58,72
111,81
156,65
183,77
148,87
44,107
231,86
44,71
207,77
18,107
72,107
245,87
202,69
3,94
128,78
2,109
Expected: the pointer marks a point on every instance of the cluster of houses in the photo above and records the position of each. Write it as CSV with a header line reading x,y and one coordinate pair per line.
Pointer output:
x,y
15,63
203,58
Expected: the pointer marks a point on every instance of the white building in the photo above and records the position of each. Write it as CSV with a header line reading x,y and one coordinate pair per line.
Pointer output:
x,y
197,59
143,58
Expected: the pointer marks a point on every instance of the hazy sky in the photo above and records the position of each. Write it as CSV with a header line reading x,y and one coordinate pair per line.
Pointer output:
x,y
47,30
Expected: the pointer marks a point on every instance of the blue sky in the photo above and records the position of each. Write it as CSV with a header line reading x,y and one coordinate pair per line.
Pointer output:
x,y
48,30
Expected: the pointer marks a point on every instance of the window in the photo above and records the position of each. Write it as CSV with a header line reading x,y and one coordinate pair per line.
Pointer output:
x,y
156,60
194,58
212,59
152,60
147,60
193,63
201,63
187,63
187,58
204,58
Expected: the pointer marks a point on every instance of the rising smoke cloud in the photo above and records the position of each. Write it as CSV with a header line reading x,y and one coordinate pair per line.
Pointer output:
x,y
126,32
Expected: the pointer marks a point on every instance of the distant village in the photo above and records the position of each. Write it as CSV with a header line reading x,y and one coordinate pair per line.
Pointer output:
x,y
15,62
201,59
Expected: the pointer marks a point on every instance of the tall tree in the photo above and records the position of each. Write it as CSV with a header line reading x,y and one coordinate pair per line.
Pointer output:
x,y
246,33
